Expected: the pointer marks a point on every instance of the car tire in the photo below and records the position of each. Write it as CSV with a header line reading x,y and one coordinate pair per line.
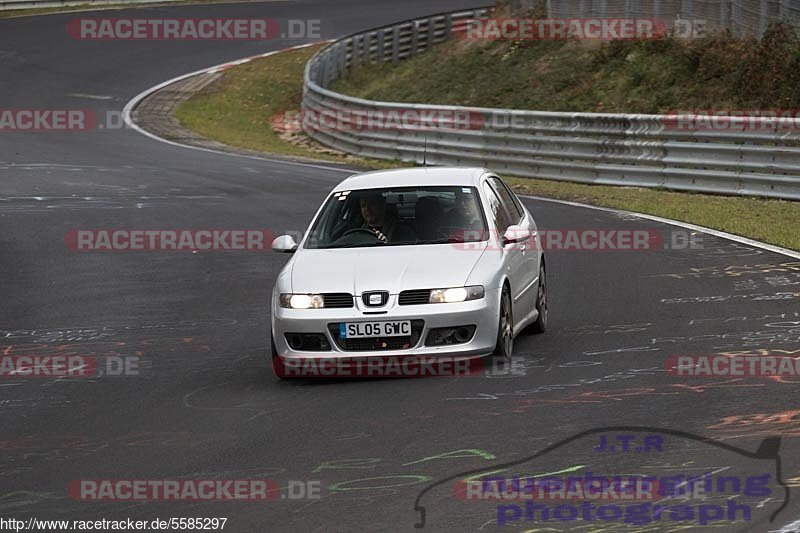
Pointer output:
x,y
505,326
540,326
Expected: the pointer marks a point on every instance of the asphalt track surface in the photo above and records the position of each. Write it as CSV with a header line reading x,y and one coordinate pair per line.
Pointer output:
x,y
206,406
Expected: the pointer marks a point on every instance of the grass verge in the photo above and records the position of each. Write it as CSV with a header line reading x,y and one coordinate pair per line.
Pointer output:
x,y
773,221
645,76
237,108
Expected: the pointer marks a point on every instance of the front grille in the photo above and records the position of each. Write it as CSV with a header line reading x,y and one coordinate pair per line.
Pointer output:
x,y
338,299
383,294
415,297
379,343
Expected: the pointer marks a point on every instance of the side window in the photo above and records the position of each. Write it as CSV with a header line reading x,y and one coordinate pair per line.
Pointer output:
x,y
508,200
499,214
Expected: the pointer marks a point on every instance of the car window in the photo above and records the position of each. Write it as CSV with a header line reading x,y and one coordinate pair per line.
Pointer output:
x,y
499,213
514,197
508,200
399,216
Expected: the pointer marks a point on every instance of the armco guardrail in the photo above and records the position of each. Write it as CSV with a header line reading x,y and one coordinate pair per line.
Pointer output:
x,y
614,149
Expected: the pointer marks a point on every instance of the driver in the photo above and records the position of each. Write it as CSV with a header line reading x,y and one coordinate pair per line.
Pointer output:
x,y
376,219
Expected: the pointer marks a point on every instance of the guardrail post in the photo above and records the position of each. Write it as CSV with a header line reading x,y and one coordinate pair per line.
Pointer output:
x,y
364,51
763,18
342,60
366,48
354,51
723,14
381,50
323,75
395,44
414,37
431,32
686,9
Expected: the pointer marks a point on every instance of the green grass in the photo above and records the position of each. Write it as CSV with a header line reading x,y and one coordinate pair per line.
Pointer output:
x,y
773,221
236,110
656,76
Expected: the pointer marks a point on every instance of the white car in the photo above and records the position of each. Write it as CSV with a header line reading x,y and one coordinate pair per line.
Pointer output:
x,y
422,261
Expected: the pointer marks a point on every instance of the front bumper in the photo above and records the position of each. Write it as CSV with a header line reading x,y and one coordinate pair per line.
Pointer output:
x,y
481,313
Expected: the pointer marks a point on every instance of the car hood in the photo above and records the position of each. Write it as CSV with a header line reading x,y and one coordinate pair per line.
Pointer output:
x,y
390,268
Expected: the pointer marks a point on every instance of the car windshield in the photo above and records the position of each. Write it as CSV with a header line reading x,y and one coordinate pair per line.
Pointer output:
x,y
399,216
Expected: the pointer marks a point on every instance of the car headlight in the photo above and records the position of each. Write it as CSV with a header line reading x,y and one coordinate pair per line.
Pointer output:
x,y
302,301
456,294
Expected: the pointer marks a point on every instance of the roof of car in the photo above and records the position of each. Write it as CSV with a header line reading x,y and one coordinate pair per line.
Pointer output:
x,y
413,176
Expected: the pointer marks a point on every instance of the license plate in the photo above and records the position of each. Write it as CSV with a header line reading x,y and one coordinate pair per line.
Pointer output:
x,y
365,330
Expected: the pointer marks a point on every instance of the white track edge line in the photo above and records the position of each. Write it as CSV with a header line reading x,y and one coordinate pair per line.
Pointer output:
x,y
686,225
133,102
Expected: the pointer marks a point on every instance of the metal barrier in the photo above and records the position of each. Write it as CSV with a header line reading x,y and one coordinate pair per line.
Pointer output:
x,y
600,148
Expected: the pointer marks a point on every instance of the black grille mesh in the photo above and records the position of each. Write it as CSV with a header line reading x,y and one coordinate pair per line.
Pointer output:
x,y
414,297
338,299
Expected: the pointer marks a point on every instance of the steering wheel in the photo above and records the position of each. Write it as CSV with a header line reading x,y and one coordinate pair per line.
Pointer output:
x,y
355,236
351,231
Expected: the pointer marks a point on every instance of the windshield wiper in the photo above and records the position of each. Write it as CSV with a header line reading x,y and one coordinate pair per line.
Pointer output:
x,y
448,240
358,245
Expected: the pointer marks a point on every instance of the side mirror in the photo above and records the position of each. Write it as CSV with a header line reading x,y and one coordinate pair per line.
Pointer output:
x,y
284,244
515,234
